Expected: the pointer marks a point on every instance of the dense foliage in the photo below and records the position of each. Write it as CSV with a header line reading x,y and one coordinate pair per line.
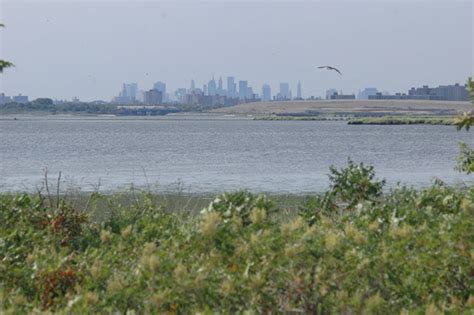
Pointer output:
x,y
4,63
44,106
465,159
466,155
365,253
49,107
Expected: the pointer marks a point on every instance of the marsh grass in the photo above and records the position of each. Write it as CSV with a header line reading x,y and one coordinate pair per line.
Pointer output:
x,y
353,250
352,119
404,120
297,118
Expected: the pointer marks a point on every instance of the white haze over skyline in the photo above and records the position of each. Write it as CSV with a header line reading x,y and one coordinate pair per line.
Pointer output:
x,y
65,49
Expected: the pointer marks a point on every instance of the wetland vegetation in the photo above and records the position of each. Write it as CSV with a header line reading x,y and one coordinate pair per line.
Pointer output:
x,y
404,120
352,249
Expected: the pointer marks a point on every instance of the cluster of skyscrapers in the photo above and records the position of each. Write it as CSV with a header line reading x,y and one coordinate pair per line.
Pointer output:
x,y
213,93
130,94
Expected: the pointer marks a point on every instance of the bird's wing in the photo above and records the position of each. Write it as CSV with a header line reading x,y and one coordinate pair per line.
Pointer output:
x,y
330,68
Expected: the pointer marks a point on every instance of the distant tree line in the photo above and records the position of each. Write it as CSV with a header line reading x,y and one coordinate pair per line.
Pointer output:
x,y
47,105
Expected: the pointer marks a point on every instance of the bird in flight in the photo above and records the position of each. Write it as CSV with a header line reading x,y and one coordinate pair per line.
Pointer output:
x,y
330,68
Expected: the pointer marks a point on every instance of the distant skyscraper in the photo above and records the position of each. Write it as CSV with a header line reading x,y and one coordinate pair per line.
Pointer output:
x,y
141,96
231,88
212,87
250,94
329,93
153,97
161,87
128,94
133,90
298,91
193,85
243,89
180,95
285,91
220,88
129,91
266,93
364,95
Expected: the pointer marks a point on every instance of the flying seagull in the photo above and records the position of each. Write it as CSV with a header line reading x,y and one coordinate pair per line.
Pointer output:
x,y
330,68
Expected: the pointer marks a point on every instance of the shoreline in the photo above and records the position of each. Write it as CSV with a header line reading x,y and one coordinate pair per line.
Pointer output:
x,y
350,120
408,120
369,120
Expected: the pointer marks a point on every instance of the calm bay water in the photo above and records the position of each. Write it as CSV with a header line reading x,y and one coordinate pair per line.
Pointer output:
x,y
199,154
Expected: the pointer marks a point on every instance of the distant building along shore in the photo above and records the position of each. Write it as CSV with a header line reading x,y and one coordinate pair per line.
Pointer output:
x,y
336,96
454,92
21,99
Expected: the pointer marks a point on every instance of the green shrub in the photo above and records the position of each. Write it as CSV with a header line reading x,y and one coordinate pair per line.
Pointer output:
x,y
355,183
239,204
465,158
349,186
315,206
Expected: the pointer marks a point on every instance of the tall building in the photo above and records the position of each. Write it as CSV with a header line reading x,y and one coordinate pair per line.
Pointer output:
x,y
266,93
131,90
141,96
161,87
128,94
180,95
330,92
193,85
243,85
220,88
153,97
231,87
298,91
364,94
454,92
250,94
285,91
212,87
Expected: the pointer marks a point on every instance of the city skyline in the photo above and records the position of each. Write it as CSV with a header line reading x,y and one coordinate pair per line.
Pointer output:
x,y
263,43
218,95
130,92
245,93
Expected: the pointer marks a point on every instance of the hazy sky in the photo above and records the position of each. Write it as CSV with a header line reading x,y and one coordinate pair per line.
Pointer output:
x,y
88,49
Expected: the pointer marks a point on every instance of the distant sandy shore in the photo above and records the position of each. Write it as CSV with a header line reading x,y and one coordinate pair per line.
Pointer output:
x,y
376,107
